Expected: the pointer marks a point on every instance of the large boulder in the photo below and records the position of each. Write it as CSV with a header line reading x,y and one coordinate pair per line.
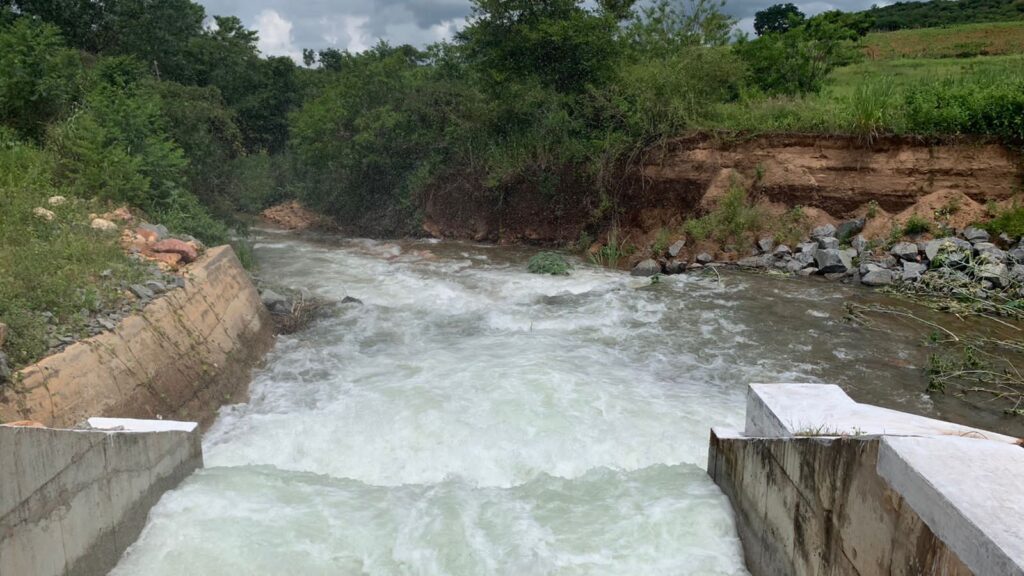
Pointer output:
x,y
763,261
275,302
995,272
990,249
912,271
828,243
823,232
782,251
1016,255
1017,273
809,247
676,248
847,229
860,244
974,234
992,269
765,244
905,251
704,258
187,251
832,261
877,277
934,247
649,267
675,266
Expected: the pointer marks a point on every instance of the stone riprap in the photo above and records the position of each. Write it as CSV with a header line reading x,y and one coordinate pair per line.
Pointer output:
x,y
824,485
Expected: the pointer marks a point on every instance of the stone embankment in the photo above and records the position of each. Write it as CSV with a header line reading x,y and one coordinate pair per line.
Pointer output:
x,y
970,260
822,485
179,354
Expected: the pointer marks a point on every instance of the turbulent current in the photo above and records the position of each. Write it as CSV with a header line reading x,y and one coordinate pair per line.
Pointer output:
x,y
470,418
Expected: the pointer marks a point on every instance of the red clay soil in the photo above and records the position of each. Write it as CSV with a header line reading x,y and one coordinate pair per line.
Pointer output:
x,y
831,177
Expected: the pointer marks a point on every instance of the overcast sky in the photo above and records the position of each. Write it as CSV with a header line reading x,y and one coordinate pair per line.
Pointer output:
x,y
287,26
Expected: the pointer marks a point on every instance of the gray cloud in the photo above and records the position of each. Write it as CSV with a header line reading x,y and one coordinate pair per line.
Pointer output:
x,y
288,26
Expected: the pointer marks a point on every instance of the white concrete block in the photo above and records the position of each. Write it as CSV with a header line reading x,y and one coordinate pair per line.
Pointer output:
x,y
134,425
970,493
781,410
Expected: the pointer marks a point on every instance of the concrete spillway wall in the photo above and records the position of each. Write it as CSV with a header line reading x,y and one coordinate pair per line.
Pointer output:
x,y
72,501
822,485
181,357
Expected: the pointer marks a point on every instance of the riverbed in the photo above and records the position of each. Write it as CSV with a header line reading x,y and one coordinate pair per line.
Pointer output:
x,y
470,418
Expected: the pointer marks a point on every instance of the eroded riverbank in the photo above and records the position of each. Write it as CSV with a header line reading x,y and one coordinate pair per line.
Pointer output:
x,y
472,418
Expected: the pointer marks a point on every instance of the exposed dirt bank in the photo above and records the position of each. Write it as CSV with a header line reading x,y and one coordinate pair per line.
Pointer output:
x,y
293,216
832,177
181,357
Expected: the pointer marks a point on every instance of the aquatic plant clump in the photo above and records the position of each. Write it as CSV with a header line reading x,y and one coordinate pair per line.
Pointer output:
x,y
549,263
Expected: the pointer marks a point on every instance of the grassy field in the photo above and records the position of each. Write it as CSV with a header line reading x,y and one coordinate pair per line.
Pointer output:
x,y
965,40
924,96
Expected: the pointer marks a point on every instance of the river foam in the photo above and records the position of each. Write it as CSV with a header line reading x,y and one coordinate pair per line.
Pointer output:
x,y
470,418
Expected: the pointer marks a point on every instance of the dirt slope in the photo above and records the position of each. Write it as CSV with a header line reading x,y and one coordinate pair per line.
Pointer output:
x,y
837,175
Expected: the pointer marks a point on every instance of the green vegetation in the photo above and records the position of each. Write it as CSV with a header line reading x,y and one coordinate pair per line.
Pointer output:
x,y
943,13
112,104
1009,222
732,219
916,225
977,96
551,263
140,103
59,266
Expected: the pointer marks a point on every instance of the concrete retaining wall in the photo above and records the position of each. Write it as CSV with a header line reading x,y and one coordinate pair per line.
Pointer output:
x,y
181,357
72,501
822,485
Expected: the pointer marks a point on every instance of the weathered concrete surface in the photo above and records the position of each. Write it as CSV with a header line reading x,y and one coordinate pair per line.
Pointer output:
x,y
816,506
823,485
181,357
969,492
72,501
780,410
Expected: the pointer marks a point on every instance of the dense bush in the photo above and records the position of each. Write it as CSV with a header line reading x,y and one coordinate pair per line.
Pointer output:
x,y
39,77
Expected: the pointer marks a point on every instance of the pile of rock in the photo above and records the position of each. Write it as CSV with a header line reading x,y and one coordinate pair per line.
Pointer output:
x,y
153,242
842,253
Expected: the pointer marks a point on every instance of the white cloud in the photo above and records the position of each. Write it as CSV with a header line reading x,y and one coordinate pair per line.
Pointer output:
x,y
276,36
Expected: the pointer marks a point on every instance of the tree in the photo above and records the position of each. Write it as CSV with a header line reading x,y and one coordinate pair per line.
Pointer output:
x,y
39,77
562,44
663,27
777,19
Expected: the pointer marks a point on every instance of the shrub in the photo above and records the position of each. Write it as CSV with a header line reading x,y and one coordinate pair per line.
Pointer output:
x,y
39,77
1010,222
917,225
549,263
733,218
613,251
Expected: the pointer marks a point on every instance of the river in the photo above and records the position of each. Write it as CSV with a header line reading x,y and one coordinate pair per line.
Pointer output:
x,y
471,418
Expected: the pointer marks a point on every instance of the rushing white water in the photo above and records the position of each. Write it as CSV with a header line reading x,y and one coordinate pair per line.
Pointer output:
x,y
471,418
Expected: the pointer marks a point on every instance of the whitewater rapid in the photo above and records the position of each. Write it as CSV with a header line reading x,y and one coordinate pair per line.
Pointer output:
x,y
470,418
